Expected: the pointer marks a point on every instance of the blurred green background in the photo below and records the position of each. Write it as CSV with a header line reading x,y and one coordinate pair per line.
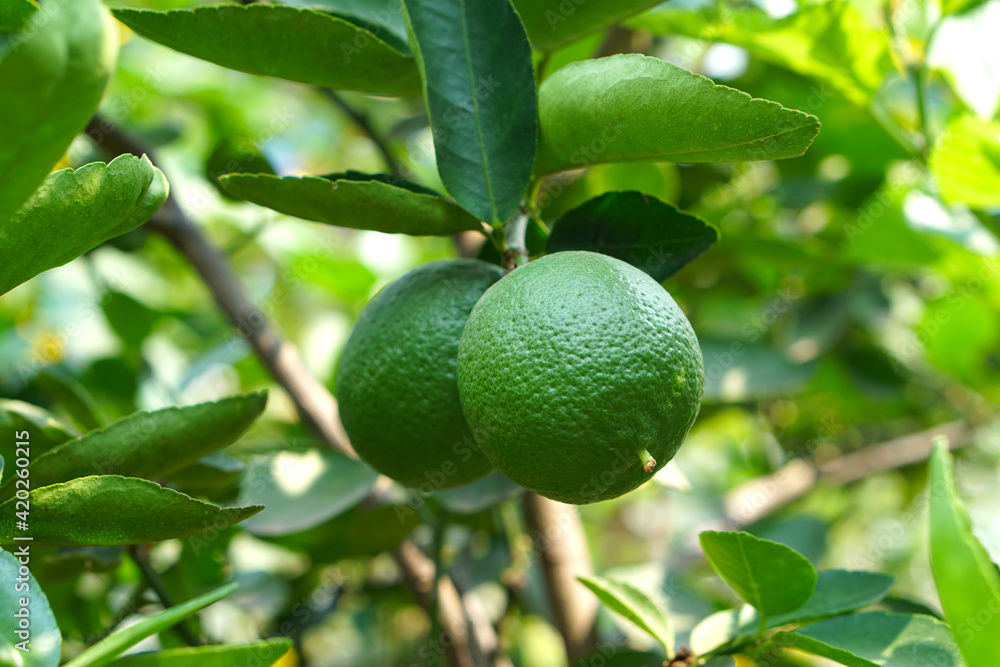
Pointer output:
x,y
853,298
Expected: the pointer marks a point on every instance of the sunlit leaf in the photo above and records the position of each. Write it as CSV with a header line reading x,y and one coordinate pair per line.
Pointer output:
x,y
636,108
967,581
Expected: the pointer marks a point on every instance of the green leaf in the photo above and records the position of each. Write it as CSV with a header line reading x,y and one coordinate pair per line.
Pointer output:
x,y
104,651
259,653
949,7
837,592
966,579
393,208
148,444
484,493
45,431
634,605
50,82
76,210
553,23
637,228
966,162
475,65
771,577
43,638
360,532
830,42
15,14
303,490
877,639
107,510
636,108
303,45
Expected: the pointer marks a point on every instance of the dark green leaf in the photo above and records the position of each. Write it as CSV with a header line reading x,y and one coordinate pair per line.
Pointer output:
x,y
382,17
107,510
260,654
877,639
967,581
736,372
148,444
350,202
552,23
636,108
641,230
71,397
45,431
475,64
480,495
131,320
636,606
42,637
302,45
771,577
50,83
837,592
76,210
360,532
104,651
228,158
303,490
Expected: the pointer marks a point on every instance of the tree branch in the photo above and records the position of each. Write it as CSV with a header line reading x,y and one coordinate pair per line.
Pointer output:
x,y
763,496
316,406
561,546
364,122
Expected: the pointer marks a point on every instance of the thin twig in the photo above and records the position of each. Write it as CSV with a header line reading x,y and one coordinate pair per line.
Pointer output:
x,y
316,406
763,496
364,122
152,578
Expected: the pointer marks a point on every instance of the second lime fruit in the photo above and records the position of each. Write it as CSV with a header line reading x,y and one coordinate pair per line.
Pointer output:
x,y
397,386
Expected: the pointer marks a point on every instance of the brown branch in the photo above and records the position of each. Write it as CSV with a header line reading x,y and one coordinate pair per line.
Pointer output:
x,y
316,406
561,545
762,496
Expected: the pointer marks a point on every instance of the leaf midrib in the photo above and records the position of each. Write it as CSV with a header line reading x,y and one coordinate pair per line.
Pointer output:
x,y
475,112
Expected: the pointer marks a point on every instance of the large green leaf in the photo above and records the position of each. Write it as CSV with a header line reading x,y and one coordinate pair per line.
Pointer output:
x,y
636,606
392,207
484,493
42,641
148,444
553,23
76,210
837,592
771,577
878,639
637,228
967,581
106,510
104,651
475,64
260,654
50,83
636,108
830,42
301,491
304,45
966,162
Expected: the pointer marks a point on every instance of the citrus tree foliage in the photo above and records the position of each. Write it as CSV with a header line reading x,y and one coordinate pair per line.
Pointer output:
x,y
816,187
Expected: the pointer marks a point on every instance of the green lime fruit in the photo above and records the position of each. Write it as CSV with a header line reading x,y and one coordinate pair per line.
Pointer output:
x,y
397,386
579,376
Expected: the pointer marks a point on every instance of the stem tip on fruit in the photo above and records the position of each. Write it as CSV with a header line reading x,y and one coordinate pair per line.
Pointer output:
x,y
648,462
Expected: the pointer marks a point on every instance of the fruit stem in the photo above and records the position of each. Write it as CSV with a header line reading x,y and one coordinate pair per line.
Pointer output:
x,y
515,251
648,462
